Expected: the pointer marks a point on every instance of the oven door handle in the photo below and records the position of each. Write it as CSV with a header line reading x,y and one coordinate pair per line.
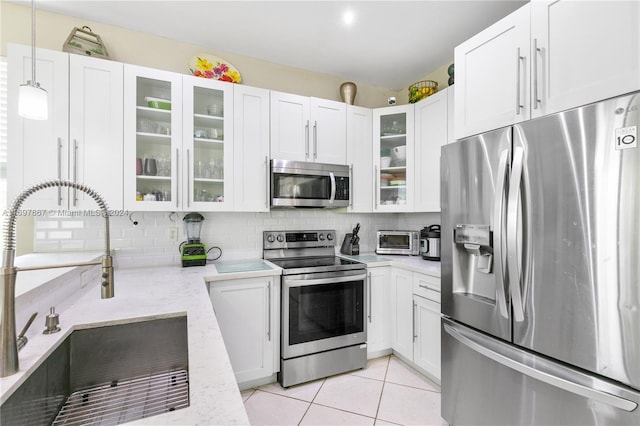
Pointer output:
x,y
300,283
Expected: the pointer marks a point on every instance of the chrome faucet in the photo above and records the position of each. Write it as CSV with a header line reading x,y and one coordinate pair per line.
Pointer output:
x,y
8,341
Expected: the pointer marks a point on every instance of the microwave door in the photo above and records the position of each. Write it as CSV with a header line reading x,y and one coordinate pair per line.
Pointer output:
x,y
474,176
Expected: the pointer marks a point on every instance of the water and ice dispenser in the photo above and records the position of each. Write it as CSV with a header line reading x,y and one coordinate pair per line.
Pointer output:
x,y
473,261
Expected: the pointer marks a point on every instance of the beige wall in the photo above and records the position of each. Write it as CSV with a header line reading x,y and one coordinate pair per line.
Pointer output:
x,y
161,53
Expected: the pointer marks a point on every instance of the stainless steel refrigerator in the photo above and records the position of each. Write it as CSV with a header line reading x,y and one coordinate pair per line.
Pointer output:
x,y
541,271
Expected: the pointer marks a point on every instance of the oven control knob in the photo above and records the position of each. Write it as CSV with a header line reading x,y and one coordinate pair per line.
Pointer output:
x,y
280,238
329,237
271,238
321,237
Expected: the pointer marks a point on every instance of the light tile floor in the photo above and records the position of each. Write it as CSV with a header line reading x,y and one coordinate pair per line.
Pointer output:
x,y
386,392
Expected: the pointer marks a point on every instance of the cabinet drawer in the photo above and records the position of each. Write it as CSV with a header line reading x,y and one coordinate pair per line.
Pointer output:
x,y
426,286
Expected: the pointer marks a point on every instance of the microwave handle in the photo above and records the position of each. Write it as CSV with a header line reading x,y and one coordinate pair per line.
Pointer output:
x,y
333,187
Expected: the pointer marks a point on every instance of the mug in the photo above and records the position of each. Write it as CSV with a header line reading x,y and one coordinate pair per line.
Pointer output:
x,y
138,166
150,167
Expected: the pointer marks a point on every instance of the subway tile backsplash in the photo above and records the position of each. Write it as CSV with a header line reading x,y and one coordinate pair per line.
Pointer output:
x,y
239,235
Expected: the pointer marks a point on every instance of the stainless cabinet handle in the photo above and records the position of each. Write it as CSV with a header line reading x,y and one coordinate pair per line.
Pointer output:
x,y
59,148
268,175
306,140
350,185
498,233
536,50
376,182
188,178
75,171
369,290
414,321
512,237
269,310
315,140
519,105
177,174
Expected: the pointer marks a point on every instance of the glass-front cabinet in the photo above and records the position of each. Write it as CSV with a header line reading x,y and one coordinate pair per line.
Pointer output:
x,y
207,144
177,141
393,146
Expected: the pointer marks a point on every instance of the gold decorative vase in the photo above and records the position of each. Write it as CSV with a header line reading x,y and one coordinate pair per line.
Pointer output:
x,y
348,92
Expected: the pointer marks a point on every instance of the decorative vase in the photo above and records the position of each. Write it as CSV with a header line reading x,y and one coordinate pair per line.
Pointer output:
x,y
348,92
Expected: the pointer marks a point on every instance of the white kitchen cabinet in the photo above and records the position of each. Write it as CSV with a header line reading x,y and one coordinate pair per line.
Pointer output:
x,y
378,312
492,76
451,114
426,348
82,139
184,125
431,133
247,311
402,321
393,158
360,158
308,129
583,52
207,144
251,149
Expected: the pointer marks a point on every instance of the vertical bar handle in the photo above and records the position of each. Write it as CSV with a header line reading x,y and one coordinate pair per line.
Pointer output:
x,y
188,178
177,174
415,336
332,197
351,185
498,233
369,298
376,182
519,105
515,276
75,171
306,140
315,140
268,176
269,310
536,50
59,149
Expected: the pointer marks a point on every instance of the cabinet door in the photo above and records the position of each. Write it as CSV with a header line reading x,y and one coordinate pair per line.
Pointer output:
x,y
251,149
246,310
328,131
431,134
360,157
426,353
492,77
207,145
584,52
378,310
39,150
290,127
96,129
393,156
152,139
402,331
451,115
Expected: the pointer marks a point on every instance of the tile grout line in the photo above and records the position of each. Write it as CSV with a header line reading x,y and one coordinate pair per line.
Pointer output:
x,y
384,382
311,402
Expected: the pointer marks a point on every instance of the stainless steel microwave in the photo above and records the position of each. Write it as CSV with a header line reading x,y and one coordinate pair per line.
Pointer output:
x,y
306,184
398,242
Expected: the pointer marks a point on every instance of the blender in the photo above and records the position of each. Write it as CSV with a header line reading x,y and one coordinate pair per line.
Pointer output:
x,y
192,251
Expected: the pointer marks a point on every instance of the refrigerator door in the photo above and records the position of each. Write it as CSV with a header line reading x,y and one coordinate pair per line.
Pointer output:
x,y
486,381
575,291
474,176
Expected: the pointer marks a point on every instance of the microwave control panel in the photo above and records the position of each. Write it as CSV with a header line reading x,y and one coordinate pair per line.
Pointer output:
x,y
342,188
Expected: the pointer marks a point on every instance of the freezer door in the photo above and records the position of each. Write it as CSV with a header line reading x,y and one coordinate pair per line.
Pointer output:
x,y
474,176
486,381
576,295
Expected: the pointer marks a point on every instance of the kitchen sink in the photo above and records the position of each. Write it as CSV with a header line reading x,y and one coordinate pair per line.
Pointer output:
x,y
107,376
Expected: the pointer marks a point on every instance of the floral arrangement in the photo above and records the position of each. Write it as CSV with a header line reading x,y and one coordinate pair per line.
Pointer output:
x,y
218,71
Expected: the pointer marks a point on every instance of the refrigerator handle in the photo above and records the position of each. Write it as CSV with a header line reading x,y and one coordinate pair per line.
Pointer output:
x,y
542,371
498,233
515,273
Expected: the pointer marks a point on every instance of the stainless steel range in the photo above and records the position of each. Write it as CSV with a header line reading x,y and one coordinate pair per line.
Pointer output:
x,y
323,326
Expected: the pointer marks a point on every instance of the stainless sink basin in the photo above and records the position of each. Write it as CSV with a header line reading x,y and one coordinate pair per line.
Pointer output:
x,y
106,376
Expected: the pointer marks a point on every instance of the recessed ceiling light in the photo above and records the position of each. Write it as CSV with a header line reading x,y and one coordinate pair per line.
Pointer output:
x,y
348,17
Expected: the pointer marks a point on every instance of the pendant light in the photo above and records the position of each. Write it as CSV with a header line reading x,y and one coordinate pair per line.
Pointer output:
x,y
32,99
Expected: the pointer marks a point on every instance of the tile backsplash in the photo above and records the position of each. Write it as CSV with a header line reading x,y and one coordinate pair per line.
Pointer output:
x,y
238,235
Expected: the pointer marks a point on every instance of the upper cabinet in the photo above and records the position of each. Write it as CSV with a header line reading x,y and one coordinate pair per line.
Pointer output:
x,y
492,78
393,158
308,129
546,57
81,141
360,158
583,52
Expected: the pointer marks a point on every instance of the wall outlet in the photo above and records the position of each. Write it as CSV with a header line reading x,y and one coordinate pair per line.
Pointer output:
x,y
172,234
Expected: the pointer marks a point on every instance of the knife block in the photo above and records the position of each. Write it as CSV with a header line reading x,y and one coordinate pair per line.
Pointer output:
x,y
348,248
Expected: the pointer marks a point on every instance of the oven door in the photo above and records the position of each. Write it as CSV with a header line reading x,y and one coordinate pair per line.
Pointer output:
x,y
323,311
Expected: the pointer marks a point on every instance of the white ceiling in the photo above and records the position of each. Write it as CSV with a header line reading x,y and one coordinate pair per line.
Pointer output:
x,y
390,44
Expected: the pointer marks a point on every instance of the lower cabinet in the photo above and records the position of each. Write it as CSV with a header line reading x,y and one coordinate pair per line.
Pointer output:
x,y
378,312
415,319
247,311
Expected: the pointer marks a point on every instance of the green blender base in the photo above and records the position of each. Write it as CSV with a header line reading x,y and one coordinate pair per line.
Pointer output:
x,y
194,255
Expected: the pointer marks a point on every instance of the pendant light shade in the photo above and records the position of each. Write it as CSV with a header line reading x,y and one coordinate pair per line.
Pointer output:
x,y
32,99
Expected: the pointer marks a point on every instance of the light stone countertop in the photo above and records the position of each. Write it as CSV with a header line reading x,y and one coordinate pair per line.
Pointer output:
x,y
410,263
